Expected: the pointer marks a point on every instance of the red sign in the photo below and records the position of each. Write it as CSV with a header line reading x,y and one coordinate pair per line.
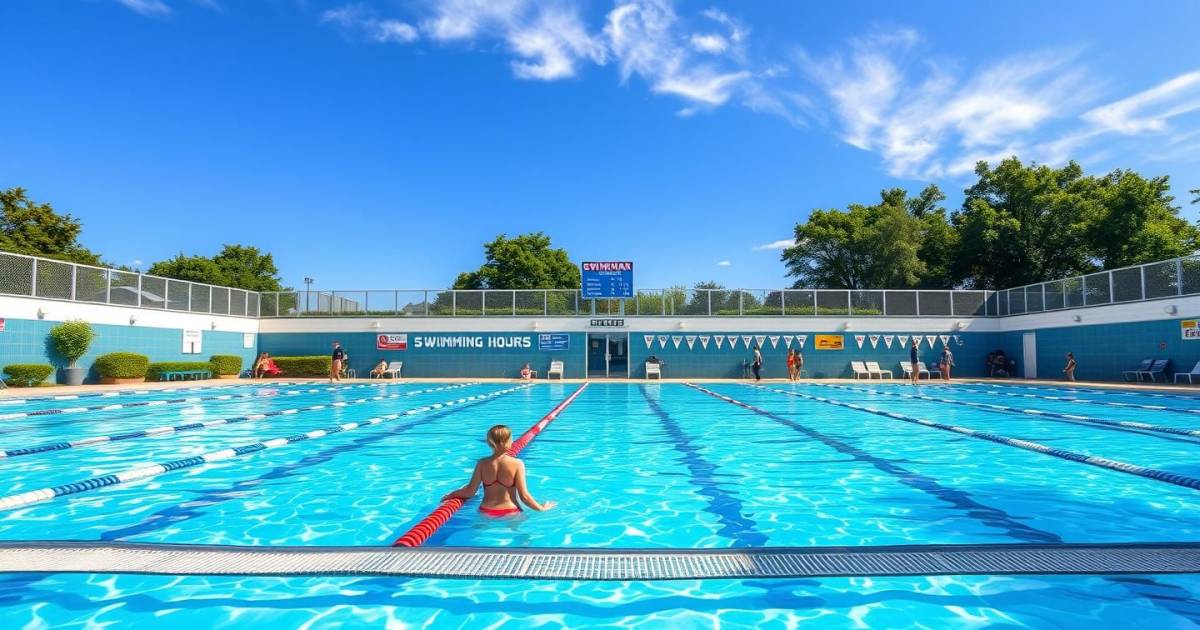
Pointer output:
x,y
1,325
391,341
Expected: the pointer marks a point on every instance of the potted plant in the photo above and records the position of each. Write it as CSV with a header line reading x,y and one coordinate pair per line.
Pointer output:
x,y
71,340
122,368
225,365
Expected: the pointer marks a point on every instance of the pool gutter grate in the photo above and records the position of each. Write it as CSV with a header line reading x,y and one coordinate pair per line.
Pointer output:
x,y
600,564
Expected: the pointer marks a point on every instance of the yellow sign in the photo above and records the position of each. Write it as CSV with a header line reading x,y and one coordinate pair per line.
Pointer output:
x,y
1189,329
829,342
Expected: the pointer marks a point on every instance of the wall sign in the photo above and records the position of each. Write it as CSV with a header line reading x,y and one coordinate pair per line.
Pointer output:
x,y
607,279
247,340
1189,330
606,323
1,324
193,341
391,341
472,341
554,341
829,342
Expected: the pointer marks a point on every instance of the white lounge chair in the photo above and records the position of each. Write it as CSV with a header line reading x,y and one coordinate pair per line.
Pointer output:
x,y
859,370
1132,375
929,372
906,369
394,369
556,368
873,368
1156,369
653,369
1191,376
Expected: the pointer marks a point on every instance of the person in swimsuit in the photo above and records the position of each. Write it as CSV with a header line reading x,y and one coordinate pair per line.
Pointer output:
x,y
946,363
335,366
915,361
1069,371
791,365
502,477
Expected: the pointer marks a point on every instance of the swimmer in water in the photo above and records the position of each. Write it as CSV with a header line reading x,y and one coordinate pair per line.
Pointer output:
x,y
502,477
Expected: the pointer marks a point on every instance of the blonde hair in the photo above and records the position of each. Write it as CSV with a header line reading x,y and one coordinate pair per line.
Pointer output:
x,y
499,437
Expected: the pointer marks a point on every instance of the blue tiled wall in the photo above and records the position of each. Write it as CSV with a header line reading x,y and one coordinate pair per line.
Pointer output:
x,y
1103,351
26,341
433,362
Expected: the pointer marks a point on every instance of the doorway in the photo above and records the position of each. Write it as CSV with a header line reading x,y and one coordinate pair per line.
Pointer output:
x,y
1029,348
608,355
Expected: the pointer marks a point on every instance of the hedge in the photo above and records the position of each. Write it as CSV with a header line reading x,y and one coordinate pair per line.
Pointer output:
x,y
156,370
122,365
26,374
225,364
304,366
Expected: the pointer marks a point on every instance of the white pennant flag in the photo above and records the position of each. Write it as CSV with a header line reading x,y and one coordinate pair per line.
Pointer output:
x,y
760,340
945,339
801,339
649,340
916,340
903,341
675,339
957,341
859,339
746,339
691,341
704,341
774,341
733,339
662,341
787,341
931,339
874,341
887,340
720,339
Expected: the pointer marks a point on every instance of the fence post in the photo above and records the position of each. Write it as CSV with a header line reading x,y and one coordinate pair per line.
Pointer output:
x,y
1143,274
814,300
108,287
483,303
1179,276
74,276
33,279
783,302
1110,288
952,312
850,304
741,308
139,290
514,302
545,302
210,296
708,294
884,306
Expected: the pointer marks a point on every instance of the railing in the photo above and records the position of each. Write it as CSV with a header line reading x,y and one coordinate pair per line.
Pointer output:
x,y
1151,281
32,276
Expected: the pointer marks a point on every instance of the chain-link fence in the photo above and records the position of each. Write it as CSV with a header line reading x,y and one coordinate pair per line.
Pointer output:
x,y
1151,281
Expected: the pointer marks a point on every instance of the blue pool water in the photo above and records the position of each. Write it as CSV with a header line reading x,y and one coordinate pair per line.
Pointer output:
x,y
632,466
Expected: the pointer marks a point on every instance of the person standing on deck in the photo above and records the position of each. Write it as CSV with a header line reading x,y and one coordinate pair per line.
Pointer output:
x,y
335,366
1069,371
947,362
756,364
913,359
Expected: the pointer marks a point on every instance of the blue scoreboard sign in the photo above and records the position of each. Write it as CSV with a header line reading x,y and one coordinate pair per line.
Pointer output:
x,y
607,279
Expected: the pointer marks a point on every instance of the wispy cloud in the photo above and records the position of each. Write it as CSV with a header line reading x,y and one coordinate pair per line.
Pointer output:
x,y
724,263
783,243
360,20
1149,110
146,7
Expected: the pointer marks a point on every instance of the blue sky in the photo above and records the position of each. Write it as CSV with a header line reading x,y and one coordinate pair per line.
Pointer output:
x,y
378,144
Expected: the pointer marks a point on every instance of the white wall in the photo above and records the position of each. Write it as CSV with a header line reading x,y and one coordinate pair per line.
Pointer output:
x,y
57,311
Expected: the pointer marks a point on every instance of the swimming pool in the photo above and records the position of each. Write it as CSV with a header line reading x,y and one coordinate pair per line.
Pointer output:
x,y
655,466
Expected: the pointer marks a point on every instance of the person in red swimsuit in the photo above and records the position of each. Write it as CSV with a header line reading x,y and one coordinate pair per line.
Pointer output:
x,y
502,477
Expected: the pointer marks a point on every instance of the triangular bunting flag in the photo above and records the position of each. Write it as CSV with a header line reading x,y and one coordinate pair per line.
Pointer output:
x,y
787,341
662,341
945,339
704,341
774,340
720,339
887,340
761,340
675,339
649,340
957,341
801,339
859,339
733,339
903,339
874,341
691,341
916,340
931,339
746,339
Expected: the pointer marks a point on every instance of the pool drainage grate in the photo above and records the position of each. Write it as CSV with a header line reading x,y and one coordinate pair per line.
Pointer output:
x,y
600,564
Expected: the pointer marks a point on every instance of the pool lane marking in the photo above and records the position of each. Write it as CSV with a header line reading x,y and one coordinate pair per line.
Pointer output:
x,y
172,401
153,470
419,533
1086,390
136,392
195,426
1091,460
960,500
724,505
1116,424
1086,401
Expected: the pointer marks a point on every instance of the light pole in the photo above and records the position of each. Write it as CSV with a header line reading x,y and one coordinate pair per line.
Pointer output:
x,y
307,293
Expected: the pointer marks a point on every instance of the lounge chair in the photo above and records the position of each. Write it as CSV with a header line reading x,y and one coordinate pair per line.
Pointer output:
x,y
1191,376
394,369
906,369
873,368
653,369
859,370
1157,368
929,372
556,367
1132,375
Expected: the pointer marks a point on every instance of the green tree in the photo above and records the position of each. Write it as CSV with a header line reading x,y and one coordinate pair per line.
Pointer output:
x,y
938,239
524,262
29,227
238,266
1134,221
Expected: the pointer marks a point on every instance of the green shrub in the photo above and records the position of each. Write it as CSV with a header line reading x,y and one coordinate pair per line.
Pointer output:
x,y
225,364
304,366
155,370
71,339
26,374
122,365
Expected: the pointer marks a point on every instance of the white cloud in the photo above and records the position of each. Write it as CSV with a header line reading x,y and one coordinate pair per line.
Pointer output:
x,y
782,243
724,263
358,19
466,19
552,44
146,7
710,43
1149,110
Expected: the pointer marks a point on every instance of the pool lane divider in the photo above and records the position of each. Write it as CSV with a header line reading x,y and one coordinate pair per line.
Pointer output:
x,y
31,497
1091,460
195,426
137,392
1116,424
419,533
171,401
1085,390
1088,401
